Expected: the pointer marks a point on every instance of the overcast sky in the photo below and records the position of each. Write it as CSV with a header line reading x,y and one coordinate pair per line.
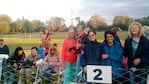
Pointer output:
x,y
44,9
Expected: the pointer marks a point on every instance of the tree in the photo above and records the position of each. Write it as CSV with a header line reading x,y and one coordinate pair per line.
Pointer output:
x,y
81,22
27,26
122,21
13,26
96,21
5,20
143,21
19,25
55,24
37,25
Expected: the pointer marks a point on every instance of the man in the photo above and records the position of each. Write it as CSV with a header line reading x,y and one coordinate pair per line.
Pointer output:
x,y
4,49
28,66
83,39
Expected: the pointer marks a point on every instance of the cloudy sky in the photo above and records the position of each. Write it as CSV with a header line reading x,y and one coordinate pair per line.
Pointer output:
x,y
44,9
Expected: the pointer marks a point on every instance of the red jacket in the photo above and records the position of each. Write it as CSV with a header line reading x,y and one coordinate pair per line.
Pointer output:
x,y
67,54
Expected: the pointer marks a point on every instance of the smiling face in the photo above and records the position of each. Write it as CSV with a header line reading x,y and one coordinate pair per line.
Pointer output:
x,y
34,51
71,33
110,38
92,36
80,32
134,30
20,52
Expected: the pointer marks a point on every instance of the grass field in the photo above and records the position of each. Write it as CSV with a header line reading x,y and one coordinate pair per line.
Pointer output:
x,y
29,40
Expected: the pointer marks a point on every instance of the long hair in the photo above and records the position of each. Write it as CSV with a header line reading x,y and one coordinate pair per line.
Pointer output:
x,y
16,54
50,53
140,29
47,35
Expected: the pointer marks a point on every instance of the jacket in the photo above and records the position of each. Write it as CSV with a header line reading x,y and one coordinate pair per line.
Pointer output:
x,y
114,58
67,55
4,49
142,52
92,54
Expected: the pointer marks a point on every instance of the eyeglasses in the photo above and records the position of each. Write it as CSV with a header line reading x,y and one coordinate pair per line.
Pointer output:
x,y
91,35
109,36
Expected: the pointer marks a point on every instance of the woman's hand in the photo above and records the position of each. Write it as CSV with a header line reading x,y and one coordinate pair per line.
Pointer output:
x,y
137,61
15,65
104,56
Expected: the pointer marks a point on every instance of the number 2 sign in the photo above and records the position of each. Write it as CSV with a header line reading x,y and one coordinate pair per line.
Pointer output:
x,y
99,74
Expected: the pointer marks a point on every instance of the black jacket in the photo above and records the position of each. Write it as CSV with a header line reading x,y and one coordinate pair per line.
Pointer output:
x,y
142,52
92,54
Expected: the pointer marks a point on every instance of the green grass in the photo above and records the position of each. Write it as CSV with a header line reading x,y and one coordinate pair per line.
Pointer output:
x,y
29,40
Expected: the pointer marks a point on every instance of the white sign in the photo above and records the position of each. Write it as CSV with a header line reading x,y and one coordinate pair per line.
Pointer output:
x,y
99,74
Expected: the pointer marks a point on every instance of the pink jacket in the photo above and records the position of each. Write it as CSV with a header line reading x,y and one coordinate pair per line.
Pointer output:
x,y
53,61
67,55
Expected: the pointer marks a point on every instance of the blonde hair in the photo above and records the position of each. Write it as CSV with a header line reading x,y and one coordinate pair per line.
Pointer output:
x,y
71,30
145,29
140,29
50,52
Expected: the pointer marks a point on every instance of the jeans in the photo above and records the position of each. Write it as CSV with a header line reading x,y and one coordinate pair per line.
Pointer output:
x,y
69,73
8,76
26,75
78,66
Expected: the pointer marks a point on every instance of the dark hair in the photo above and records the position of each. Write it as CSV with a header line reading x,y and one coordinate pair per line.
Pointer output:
x,y
115,29
55,44
108,32
91,31
15,54
47,35
1,40
34,48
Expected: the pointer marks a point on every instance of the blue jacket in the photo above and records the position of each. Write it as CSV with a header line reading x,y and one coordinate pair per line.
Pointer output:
x,y
114,58
41,52
92,54
4,49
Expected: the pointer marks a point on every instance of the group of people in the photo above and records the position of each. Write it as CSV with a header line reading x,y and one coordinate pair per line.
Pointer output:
x,y
18,68
81,48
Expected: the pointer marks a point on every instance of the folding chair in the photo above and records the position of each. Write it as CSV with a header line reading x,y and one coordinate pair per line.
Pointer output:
x,y
39,69
2,57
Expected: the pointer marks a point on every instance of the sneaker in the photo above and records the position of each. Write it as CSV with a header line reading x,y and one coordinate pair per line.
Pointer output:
x,y
37,81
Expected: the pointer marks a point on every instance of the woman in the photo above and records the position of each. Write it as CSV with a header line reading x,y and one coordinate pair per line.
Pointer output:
x,y
13,63
46,41
69,56
51,64
93,52
146,31
136,49
114,50
53,59
116,32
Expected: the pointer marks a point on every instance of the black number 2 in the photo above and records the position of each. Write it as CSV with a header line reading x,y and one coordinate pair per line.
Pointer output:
x,y
97,76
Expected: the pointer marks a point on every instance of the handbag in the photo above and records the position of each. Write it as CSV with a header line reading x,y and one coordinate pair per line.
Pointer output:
x,y
125,61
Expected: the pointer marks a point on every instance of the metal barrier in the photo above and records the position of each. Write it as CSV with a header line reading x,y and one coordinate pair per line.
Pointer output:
x,y
125,78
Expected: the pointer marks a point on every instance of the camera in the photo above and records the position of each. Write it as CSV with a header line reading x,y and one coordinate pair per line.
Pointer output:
x,y
73,48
